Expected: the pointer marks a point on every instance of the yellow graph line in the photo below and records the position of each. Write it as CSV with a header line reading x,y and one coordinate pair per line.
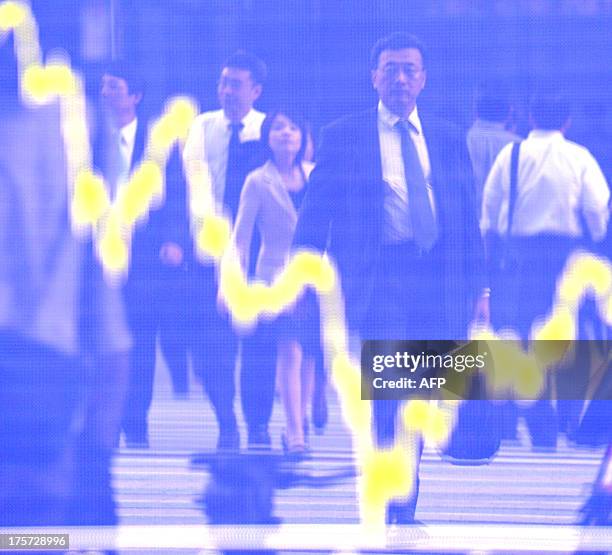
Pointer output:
x,y
111,223
518,373
385,474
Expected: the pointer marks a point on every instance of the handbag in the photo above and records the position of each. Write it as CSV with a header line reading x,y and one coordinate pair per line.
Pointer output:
x,y
476,437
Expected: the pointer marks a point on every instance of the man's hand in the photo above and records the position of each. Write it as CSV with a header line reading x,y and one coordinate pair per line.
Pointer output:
x,y
171,254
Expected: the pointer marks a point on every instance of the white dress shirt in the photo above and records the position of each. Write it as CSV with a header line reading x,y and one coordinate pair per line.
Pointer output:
x,y
397,225
127,139
206,149
558,180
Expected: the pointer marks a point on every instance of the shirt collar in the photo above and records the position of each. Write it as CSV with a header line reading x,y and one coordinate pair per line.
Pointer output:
x,y
128,132
246,121
388,118
552,134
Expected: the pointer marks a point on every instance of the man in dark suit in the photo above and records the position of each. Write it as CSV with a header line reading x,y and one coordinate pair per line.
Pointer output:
x,y
391,199
151,295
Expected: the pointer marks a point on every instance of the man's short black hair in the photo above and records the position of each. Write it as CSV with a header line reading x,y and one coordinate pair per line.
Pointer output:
x,y
549,109
395,41
241,59
129,73
493,101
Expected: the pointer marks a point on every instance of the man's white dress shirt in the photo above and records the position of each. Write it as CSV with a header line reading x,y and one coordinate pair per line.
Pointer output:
x,y
397,224
207,147
558,180
126,138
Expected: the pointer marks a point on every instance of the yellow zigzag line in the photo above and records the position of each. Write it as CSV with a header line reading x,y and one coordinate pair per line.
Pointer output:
x,y
385,473
111,223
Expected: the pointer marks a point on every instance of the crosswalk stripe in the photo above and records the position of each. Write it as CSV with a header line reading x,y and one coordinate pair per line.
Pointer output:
x,y
160,485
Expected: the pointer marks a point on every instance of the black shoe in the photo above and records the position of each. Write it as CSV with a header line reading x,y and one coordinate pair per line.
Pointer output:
x,y
229,440
401,513
137,441
136,433
319,408
259,439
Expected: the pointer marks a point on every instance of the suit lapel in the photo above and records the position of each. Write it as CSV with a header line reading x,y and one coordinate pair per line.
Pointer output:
x,y
371,148
368,167
366,202
139,144
431,134
439,180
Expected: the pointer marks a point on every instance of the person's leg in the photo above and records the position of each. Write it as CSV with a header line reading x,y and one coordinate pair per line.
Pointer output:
x,y
578,374
214,345
422,297
509,413
402,511
140,389
214,360
107,399
289,373
173,329
541,419
173,346
307,388
257,379
541,262
384,413
571,380
407,306
319,394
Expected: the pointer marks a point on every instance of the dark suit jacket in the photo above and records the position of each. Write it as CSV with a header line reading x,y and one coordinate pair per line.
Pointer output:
x,y
343,213
149,283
